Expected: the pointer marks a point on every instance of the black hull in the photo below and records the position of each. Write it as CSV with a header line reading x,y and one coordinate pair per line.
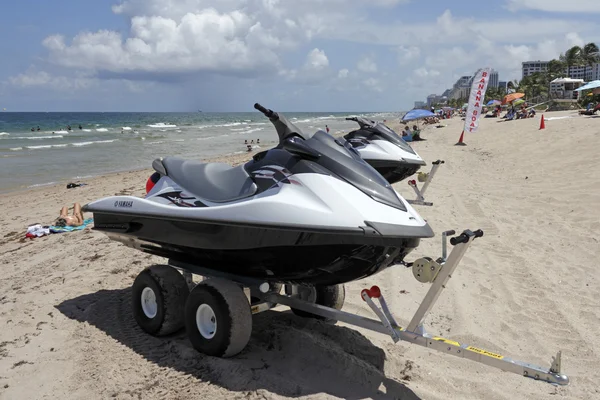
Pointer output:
x,y
394,171
270,254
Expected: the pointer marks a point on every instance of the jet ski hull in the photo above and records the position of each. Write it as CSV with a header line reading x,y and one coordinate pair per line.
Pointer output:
x,y
396,171
300,256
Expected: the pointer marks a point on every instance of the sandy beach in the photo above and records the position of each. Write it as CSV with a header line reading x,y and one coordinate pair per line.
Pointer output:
x,y
528,288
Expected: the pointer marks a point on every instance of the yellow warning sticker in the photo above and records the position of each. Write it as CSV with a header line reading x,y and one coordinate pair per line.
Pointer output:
x,y
485,352
254,309
452,342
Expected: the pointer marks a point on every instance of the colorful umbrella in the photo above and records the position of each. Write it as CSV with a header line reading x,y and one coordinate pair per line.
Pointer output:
x,y
417,114
517,102
493,102
513,96
589,85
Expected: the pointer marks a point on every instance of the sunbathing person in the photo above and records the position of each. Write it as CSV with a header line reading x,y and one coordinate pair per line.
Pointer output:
x,y
70,220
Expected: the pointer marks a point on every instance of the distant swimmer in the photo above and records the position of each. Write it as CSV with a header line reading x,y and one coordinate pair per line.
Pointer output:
x,y
32,130
249,147
326,127
80,127
257,141
38,128
69,127
246,141
252,141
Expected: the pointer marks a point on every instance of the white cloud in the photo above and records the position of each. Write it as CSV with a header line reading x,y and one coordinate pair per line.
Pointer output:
x,y
574,6
407,54
314,71
373,84
316,60
33,78
366,64
343,73
424,72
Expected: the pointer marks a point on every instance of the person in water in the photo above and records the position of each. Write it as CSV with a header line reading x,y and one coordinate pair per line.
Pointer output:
x,y
80,127
257,141
70,220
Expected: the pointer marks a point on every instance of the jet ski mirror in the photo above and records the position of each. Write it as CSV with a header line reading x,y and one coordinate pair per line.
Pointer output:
x,y
296,146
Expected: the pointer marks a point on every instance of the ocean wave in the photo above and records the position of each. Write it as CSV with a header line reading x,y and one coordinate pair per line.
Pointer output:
x,y
86,130
126,128
46,146
41,184
102,130
253,130
4,133
161,125
38,137
63,132
222,125
93,142
16,148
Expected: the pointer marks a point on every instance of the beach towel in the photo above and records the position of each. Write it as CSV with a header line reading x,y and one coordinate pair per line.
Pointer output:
x,y
61,229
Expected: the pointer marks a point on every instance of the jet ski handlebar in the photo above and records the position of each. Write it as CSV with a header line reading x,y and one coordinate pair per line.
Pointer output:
x,y
268,113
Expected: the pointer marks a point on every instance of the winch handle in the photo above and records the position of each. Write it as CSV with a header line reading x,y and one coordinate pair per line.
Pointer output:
x,y
464,237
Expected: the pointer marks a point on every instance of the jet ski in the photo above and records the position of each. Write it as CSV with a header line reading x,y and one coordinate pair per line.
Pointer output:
x,y
384,150
309,211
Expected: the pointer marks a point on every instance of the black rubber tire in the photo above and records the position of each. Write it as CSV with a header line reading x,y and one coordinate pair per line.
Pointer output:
x,y
232,313
328,296
171,292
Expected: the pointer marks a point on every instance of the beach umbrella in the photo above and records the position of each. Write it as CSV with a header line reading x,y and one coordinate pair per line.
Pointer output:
x,y
493,102
417,114
511,97
589,85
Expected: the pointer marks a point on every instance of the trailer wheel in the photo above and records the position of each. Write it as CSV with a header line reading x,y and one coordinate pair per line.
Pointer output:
x,y
218,318
158,295
329,296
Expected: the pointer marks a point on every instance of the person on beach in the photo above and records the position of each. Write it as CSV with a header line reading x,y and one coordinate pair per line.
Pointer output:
x,y
416,134
327,128
70,220
407,134
257,141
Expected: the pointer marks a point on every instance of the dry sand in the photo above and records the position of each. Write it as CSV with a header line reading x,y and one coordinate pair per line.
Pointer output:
x,y
528,288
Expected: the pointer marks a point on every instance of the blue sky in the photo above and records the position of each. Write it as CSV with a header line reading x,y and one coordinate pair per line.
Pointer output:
x,y
293,55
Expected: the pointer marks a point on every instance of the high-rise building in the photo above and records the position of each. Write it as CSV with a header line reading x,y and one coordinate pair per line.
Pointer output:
x,y
530,67
420,104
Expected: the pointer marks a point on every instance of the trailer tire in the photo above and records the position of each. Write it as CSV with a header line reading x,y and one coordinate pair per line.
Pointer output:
x,y
218,318
329,296
158,296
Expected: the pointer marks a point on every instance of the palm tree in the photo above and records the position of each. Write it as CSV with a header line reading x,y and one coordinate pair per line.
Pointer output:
x,y
590,55
572,57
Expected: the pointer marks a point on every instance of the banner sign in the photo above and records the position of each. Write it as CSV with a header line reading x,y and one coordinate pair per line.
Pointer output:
x,y
476,99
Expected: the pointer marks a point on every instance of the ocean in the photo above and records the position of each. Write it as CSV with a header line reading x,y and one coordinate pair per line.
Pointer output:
x,y
112,142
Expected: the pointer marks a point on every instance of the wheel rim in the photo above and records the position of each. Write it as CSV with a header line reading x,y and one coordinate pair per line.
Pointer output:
x,y
149,305
206,321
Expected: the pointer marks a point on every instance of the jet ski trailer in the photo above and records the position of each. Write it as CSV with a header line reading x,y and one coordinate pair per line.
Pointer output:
x,y
217,312
383,149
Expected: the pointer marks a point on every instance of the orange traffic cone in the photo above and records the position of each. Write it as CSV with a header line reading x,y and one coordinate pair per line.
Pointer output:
x,y
542,123
460,141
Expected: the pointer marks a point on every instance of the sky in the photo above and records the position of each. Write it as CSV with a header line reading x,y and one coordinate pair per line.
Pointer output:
x,y
289,55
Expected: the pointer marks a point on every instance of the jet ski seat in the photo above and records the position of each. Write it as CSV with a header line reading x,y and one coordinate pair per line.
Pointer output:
x,y
216,182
